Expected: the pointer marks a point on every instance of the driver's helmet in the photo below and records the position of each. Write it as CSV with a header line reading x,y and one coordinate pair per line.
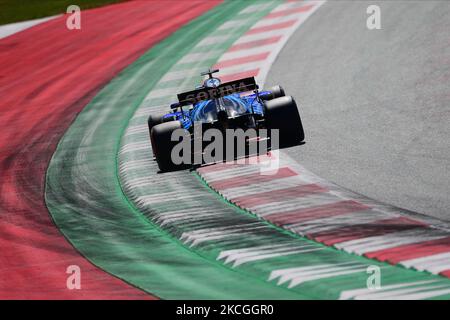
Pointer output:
x,y
211,83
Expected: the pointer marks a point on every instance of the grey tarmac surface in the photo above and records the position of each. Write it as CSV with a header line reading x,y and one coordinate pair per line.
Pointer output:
x,y
375,104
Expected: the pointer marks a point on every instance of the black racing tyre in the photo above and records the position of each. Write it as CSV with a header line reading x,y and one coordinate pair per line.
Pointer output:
x,y
282,114
162,145
276,92
153,120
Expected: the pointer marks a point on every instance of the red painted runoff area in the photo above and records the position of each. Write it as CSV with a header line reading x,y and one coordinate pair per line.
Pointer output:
x,y
47,75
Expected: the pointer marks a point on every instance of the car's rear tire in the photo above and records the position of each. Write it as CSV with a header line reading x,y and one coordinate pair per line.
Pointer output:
x,y
162,145
153,120
282,114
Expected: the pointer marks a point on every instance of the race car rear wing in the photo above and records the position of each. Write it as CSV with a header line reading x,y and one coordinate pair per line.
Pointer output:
x,y
225,89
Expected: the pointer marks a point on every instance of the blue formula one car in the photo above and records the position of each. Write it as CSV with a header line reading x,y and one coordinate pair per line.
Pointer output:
x,y
232,105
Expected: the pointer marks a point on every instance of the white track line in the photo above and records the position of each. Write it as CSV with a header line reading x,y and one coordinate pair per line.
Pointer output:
x,y
12,28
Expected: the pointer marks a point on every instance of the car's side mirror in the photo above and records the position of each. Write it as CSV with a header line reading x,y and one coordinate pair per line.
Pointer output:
x,y
175,106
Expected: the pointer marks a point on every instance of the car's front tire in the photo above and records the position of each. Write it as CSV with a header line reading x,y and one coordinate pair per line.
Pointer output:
x,y
282,114
275,92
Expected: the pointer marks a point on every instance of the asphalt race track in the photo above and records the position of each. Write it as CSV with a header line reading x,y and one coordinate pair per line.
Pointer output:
x,y
375,103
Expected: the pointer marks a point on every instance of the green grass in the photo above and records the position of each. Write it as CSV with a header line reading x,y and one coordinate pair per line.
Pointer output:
x,y
21,10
